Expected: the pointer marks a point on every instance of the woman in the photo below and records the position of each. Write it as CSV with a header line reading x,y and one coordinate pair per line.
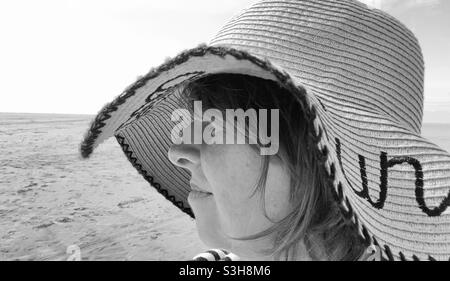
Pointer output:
x,y
351,178
291,212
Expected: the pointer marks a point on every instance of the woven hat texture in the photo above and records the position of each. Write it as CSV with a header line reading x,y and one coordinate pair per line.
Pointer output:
x,y
359,73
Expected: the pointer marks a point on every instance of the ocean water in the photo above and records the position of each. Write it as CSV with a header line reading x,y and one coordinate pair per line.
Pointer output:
x,y
437,133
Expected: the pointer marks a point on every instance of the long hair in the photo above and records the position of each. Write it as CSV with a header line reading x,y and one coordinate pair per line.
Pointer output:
x,y
315,217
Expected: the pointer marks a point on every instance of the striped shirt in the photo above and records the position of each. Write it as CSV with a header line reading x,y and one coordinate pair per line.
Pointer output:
x,y
373,253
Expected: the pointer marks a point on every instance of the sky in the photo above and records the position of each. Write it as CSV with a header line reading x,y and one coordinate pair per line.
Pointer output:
x,y
74,56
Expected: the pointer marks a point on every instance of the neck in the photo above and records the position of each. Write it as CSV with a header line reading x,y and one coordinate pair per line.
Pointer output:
x,y
248,254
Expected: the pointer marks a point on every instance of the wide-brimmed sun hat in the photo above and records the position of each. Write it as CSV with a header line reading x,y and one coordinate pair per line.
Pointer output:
x,y
358,72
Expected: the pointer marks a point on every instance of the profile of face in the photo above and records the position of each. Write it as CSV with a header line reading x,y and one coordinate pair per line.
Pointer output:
x,y
224,178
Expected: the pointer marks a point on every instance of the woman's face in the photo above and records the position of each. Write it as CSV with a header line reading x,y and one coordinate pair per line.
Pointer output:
x,y
226,206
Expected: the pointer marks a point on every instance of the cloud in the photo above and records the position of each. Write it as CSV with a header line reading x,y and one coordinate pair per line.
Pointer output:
x,y
372,3
399,4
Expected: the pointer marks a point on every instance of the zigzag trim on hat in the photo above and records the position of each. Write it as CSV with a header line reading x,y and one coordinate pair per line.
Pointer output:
x,y
150,179
286,81
88,144
344,204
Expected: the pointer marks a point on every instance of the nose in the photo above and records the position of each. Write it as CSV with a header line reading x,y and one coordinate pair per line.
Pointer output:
x,y
186,156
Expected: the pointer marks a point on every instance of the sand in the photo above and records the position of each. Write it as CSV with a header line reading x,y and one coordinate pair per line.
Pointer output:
x,y
51,199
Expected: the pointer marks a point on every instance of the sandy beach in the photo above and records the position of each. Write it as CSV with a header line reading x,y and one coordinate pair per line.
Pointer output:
x,y
51,199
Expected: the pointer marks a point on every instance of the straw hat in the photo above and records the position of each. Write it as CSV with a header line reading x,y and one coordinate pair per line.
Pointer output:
x,y
359,73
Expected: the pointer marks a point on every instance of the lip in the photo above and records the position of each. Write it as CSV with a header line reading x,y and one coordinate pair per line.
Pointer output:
x,y
198,193
196,188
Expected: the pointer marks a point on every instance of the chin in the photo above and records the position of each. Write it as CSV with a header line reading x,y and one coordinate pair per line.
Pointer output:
x,y
212,240
211,236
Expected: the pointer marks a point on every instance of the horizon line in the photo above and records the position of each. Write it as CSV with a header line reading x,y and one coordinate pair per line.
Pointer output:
x,y
94,114
69,113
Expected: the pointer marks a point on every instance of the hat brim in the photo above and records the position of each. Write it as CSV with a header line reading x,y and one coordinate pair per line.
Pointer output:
x,y
392,183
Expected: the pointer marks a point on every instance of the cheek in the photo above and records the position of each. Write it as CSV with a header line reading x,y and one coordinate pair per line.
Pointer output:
x,y
233,172
277,191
